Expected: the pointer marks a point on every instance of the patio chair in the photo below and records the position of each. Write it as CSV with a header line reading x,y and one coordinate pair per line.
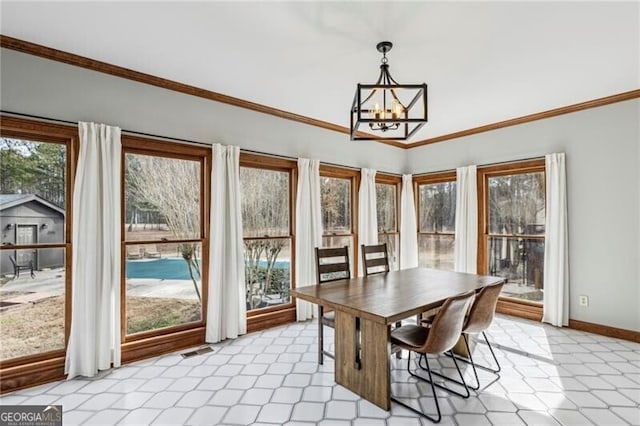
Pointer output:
x,y
133,252
22,267
151,252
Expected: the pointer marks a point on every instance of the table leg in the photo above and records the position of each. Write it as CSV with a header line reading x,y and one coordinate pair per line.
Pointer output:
x,y
372,380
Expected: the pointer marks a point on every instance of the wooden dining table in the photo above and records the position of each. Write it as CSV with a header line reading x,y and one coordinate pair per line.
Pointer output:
x,y
366,307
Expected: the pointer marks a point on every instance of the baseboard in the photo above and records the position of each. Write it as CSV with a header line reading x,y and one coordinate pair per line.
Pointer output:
x,y
605,330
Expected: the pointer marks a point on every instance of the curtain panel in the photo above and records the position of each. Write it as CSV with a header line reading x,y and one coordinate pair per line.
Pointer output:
x,y
308,230
226,305
367,213
408,225
555,306
94,339
466,233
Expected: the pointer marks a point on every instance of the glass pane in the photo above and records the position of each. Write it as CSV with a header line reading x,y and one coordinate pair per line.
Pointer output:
x,y
336,205
437,203
517,204
265,202
33,191
162,198
267,272
436,251
521,261
164,286
393,249
32,299
336,242
386,207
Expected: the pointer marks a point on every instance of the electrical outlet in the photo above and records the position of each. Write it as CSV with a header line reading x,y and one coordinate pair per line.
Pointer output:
x,y
584,301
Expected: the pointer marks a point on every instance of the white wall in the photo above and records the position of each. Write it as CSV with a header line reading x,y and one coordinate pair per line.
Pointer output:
x,y
602,146
31,85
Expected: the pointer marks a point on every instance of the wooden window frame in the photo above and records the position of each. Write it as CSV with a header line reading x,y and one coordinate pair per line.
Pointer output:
x,y
429,179
154,342
260,319
396,181
507,305
354,178
25,371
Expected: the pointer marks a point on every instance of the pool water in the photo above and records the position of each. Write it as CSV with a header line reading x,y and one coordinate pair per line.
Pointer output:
x,y
163,269
171,269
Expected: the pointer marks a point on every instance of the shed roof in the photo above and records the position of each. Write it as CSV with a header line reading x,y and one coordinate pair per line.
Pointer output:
x,y
12,200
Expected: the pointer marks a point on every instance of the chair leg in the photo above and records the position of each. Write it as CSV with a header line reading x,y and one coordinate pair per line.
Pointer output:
x,y
320,336
496,371
492,354
433,389
399,353
460,382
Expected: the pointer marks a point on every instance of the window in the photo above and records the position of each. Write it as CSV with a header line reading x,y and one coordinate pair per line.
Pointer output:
x,y
35,286
512,218
387,210
267,227
337,189
436,220
165,251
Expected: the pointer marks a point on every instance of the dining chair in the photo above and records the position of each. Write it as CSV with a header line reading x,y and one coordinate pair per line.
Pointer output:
x,y
332,264
440,337
478,321
375,259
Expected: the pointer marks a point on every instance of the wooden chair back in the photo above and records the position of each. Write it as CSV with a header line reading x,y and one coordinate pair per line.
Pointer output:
x,y
332,264
375,259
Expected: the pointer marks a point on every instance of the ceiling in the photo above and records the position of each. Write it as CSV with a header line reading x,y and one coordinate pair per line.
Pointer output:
x,y
484,62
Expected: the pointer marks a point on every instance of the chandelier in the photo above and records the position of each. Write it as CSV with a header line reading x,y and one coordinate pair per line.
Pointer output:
x,y
394,111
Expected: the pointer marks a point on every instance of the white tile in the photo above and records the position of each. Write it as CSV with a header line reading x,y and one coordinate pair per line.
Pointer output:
x,y
13,399
595,382
67,387
194,399
269,381
526,401
613,398
140,416
229,370
308,412
226,397
217,359
75,417
367,409
176,371
555,400
173,416
257,396
127,385
185,384
150,372
241,414
342,393
100,401
242,359
630,414
497,403
345,410
472,419
365,421
207,416
600,416
537,418
275,413
156,385
72,401
287,395
280,368
317,393
163,399
241,382
255,369
504,419
585,399
132,400
213,383
106,417
570,417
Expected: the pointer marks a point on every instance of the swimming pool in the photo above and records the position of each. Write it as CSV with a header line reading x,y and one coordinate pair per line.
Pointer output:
x,y
161,269
172,268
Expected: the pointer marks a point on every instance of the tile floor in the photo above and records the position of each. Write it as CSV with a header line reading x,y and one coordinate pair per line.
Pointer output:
x,y
549,376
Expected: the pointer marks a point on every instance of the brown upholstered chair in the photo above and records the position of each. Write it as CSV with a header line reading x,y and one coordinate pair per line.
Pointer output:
x,y
375,259
478,321
332,264
440,337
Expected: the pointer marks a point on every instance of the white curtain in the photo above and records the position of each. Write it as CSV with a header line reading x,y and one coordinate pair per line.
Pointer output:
x,y
466,234
556,251
226,306
408,227
367,213
94,339
308,230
